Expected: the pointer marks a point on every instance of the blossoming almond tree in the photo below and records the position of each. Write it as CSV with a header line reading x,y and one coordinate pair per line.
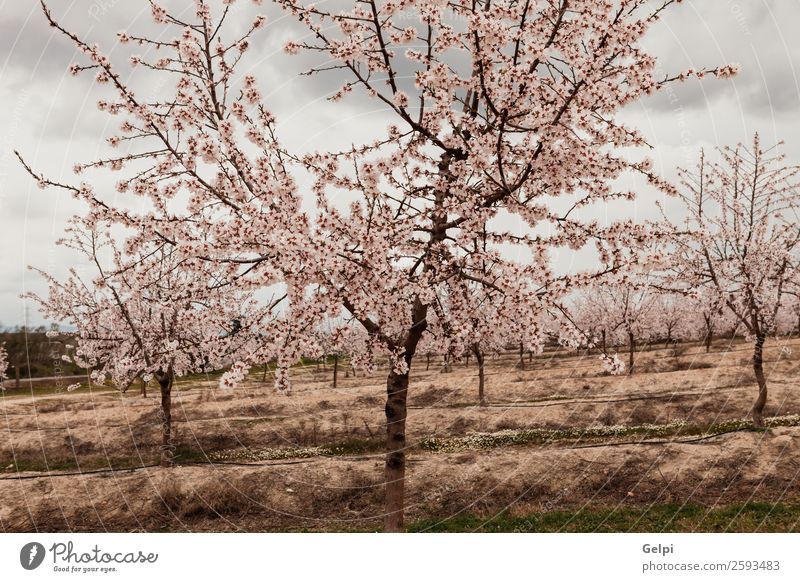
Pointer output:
x,y
624,311
486,337
713,313
340,339
490,320
671,316
485,331
504,112
145,316
741,240
205,169
790,317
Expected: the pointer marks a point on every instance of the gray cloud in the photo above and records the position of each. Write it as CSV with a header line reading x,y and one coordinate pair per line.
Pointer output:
x,y
756,35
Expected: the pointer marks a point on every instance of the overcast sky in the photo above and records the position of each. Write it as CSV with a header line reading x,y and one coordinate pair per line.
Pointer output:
x,y
51,117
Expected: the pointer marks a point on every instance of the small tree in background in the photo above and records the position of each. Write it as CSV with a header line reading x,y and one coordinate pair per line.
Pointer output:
x,y
339,340
789,317
741,241
623,313
671,317
144,316
713,315
3,365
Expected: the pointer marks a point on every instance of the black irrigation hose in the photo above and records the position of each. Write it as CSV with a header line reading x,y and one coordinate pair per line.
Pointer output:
x,y
544,403
152,466
262,464
174,421
79,473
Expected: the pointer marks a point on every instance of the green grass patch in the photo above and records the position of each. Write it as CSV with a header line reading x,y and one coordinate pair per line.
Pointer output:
x,y
187,454
744,517
187,382
257,372
54,389
355,447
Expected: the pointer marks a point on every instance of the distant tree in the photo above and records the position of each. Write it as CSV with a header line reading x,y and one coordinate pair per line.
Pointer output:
x,y
428,349
3,364
336,340
789,317
144,316
671,317
623,312
741,241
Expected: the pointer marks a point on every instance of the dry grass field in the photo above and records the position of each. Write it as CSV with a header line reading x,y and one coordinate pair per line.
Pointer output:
x,y
560,447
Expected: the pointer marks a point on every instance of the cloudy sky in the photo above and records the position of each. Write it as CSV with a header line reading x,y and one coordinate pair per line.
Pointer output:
x,y
51,117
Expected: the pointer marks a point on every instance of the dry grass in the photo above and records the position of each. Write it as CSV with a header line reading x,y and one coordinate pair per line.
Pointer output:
x,y
175,498
557,391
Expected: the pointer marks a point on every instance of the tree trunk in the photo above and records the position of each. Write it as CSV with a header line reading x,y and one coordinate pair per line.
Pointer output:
x,y
530,356
264,377
396,413
481,377
603,341
466,360
427,362
758,368
396,394
709,333
335,368
167,448
144,388
631,351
